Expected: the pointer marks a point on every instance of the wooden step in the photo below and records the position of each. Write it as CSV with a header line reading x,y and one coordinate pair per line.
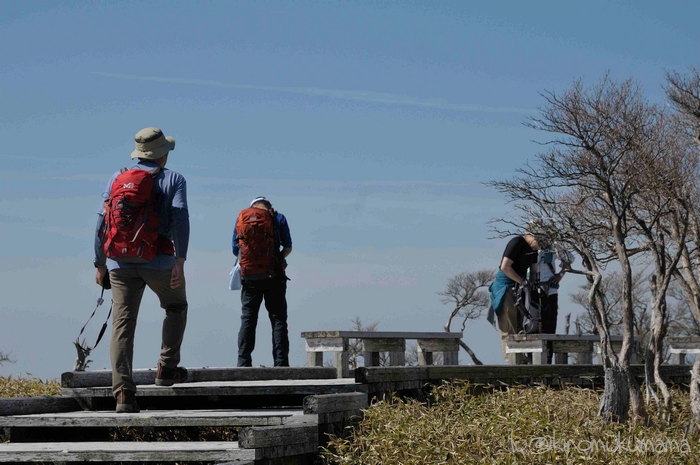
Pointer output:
x,y
217,394
101,378
154,418
229,452
304,387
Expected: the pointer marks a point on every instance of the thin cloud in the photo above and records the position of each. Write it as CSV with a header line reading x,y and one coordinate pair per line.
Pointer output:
x,y
356,95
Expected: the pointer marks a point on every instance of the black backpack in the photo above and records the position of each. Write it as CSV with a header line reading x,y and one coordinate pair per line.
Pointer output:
x,y
529,310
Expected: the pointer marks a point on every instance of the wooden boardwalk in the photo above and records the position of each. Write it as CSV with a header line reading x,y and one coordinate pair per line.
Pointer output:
x,y
76,426
274,420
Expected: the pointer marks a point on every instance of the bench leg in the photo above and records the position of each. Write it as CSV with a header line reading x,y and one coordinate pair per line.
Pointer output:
x,y
314,359
341,363
561,358
677,359
450,357
539,358
397,359
371,358
425,358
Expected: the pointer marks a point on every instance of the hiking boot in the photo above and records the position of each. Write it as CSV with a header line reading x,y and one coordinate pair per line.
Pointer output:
x,y
126,402
169,376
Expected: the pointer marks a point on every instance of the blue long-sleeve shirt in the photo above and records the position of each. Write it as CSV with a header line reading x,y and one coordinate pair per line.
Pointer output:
x,y
281,228
173,218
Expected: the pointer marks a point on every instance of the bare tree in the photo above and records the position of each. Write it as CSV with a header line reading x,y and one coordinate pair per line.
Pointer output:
x,y
355,345
611,298
467,293
5,358
683,90
586,183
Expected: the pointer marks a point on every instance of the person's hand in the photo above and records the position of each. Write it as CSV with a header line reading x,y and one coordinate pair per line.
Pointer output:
x,y
100,273
524,283
178,274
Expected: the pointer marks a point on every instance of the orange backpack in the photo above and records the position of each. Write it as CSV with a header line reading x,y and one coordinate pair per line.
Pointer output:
x,y
258,247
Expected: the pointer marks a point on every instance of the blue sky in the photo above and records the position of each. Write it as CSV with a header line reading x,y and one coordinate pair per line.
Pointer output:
x,y
371,125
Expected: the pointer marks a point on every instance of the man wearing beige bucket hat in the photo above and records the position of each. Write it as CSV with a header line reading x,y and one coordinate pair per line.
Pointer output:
x,y
161,269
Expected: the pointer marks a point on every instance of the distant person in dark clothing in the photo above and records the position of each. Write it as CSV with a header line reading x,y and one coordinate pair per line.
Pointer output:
x,y
262,241
549,279
519,256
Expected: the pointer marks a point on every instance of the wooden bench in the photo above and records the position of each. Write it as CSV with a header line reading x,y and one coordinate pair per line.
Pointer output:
x,y
375,342
679,347
584,346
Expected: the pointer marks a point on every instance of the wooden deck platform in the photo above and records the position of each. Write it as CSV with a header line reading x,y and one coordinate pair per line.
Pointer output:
x,y
55,429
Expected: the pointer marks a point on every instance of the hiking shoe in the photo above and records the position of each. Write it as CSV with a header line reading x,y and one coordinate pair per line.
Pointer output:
x,y
126,402
169,376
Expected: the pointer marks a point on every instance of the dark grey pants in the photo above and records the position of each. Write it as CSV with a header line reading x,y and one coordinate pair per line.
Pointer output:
x,y
128,285
273,291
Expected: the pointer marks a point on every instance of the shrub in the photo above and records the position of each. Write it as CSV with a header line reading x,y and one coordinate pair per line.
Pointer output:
x,y
536,425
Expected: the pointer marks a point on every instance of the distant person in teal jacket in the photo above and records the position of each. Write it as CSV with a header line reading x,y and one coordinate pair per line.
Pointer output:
x,y
519,257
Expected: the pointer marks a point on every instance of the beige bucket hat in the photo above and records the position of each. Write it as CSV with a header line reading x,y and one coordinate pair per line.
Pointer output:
x,y
151,144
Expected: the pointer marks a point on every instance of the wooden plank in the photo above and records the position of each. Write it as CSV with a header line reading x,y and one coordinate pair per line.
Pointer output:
x,y
317,344
384,345
419,374
437,345
100,378
675,350
155,418
272,436
572,347
380,335
683,339
291,454
683,345
125,451
562,337
327,403
520,347
42,404
231,388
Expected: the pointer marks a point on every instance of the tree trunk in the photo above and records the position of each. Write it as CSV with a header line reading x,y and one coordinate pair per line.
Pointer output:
x,y
695,390
470,352
660,383
614,405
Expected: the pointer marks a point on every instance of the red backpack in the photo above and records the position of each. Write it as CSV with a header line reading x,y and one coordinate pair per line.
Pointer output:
x,y
255,229
131,224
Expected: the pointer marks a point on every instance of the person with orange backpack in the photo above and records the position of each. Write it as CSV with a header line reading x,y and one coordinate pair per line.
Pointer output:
x,y
141,240
262,242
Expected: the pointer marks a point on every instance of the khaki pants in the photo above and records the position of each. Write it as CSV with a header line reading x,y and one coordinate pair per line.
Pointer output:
x,y
128,285
507,319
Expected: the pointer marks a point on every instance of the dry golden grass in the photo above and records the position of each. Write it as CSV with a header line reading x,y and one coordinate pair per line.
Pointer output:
x,y
28,387
520,425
